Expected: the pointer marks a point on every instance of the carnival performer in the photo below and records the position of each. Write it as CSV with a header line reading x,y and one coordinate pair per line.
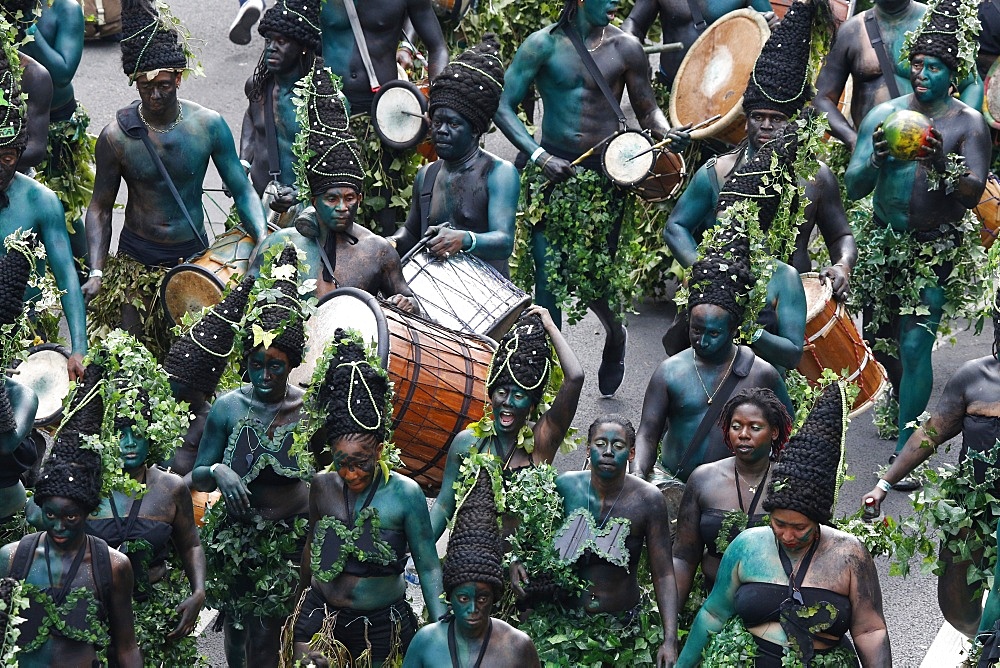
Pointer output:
x,y
969,405
777,91
679,23
724,497
195,364
451,190
79,590
338,251
853,55
918,206
680,395
363,518
798,586
253,542
17,17
585,214
516,384
161,229
989,38
28,206
473,576
291,43
148,509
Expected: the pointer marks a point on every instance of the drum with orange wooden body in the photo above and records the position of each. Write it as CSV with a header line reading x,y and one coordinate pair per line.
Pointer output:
x,y
202,501
988,212
842,9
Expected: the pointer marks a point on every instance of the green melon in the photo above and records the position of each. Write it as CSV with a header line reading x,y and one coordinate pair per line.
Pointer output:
x,y
906,132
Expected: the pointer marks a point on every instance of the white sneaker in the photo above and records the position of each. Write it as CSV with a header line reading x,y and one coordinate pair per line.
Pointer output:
x,y
246,19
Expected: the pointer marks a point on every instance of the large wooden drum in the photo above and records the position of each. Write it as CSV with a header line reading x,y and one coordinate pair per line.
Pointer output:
x,y
833,342
991,96
438,375
842,9
988,212
714,74
46,372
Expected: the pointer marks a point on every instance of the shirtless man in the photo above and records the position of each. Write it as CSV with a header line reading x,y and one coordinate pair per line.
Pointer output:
x,y
35,80
905,203
852,55
157,233
679,25
291,43
451,189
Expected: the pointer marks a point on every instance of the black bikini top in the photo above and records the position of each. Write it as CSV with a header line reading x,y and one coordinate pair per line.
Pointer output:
x,y
146,542
248,452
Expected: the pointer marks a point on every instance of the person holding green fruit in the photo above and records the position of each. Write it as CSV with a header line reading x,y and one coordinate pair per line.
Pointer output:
x,y
918,259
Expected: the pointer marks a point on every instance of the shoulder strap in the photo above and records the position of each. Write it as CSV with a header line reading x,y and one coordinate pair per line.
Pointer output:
x,y
697,18
23,555
271,134
882,52
100,563
426,191
591,66
133,127
712,414
359,38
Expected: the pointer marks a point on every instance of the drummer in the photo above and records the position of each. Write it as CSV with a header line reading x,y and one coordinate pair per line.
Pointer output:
x,y
291,42
339,253
678,24
382,24
852,55
921,265
577,118
157,234
781,67
462,104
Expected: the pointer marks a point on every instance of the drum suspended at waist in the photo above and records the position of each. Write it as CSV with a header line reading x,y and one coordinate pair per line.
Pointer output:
x,y
631,160
438,375
46,372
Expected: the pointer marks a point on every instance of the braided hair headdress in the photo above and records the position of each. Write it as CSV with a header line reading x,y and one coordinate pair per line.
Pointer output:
x,y
475,550
948,30
276,316
295,19
523,358
153,40
471,84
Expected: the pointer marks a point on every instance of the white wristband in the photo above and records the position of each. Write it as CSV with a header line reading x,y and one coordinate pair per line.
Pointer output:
x,y
883,485
211,469
538,152
96,273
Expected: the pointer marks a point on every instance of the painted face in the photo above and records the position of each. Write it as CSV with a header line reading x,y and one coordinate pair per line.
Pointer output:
x,y
599,12
610,452
749,435
159,95
930,77
511,408
709,331
134,449
794,531
65,520
452,134
763,125
281,53
472,603
8,165
355,460
892,5
337,208
268,370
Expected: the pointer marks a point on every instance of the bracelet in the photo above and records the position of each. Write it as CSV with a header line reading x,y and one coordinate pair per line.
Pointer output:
x,y
537,152
405,46
883,484
96,273
472,244
755,337
211,469
871,161
546,161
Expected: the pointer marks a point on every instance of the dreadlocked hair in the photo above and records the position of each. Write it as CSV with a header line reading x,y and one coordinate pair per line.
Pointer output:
x,y
618,419
805,479
774,411
262,77
354,393
475,551
283,316
523,359
723,276
147,43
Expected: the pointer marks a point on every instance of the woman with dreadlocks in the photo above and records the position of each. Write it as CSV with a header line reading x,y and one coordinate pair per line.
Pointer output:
x,y
146,423
725,496
79,590
798,586
363,519
253,542
516,384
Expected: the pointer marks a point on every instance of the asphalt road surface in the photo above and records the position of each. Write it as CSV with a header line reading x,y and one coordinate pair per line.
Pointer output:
x,y
910,604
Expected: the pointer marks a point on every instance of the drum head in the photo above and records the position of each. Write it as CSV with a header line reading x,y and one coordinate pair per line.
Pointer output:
x,y
818,291
715,72
45,372
189,287
347,308
622,161
398,115
991,96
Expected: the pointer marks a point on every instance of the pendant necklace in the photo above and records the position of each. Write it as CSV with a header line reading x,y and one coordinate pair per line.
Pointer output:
x,y
718,387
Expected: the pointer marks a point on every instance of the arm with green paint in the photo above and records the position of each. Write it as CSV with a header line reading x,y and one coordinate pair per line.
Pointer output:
x,y
417,525
784,290
695,203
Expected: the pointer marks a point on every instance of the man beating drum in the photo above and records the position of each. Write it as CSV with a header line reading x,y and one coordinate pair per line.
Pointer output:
x,y
463,101
338,252
581,113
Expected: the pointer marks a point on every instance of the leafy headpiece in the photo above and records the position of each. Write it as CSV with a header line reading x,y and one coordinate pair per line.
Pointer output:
x,y
472,84
948,30
12,102
295,19
722,276
153,40
276,318
21,15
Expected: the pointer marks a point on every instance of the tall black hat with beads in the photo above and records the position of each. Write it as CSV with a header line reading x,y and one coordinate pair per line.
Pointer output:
x,y
722,276
472,84
949,31
523,359
296,19
279,314
355,393
12,107
150,41
475,552
334,152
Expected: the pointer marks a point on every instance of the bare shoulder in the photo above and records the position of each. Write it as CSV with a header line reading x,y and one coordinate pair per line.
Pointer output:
x,y
120,565
170,481
504,631
649,493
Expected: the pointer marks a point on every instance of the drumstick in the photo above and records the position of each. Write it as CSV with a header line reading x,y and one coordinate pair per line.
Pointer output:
x,y
697,126
666,47
411,113
591,150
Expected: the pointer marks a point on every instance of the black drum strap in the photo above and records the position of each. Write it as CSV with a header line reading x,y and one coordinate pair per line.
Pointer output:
x,y
697,18
595,72
426,192
271,134
882,52
359,39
